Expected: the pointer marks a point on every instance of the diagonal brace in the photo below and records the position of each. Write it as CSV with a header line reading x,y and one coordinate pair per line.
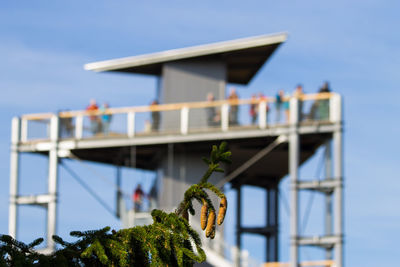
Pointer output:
x,y
262,153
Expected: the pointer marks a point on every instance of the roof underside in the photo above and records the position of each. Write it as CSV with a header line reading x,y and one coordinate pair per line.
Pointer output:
x,y
243,57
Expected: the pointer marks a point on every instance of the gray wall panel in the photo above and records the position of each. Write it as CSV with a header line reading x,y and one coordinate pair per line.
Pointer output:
x,y
187,82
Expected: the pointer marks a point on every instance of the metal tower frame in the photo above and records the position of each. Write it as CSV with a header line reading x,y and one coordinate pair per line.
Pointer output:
x,y
49,200
331,186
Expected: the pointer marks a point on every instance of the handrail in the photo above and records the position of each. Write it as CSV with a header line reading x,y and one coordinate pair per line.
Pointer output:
x,y
223,117
170,107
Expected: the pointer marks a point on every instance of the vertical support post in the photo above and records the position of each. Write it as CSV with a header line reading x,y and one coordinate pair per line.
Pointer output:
x,y
294,111
14,177
79,127
225,117
294,155
170,162
244,255
238,225
268,223
276,216
132,156
24,130
131,124
335,108
272,222
119,193
328,196
52,182
184,120
338,174
262,114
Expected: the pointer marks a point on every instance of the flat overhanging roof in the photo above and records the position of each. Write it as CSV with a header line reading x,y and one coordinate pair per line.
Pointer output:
x,y
243,57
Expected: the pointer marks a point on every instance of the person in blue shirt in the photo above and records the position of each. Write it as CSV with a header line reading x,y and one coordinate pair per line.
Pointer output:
x,y
105,119
279,104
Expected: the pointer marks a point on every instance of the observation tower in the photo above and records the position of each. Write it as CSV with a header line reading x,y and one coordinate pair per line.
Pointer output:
x,y
264,151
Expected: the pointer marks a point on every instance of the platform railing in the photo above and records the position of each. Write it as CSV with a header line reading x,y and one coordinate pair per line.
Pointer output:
x,y
186,117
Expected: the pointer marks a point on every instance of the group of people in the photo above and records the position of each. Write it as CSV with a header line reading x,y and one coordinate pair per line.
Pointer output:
x,y
214,117
99,123
139,195
319,109
254,108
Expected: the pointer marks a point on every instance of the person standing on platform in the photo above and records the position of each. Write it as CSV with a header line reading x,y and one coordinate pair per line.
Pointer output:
x,y
298,93
286,109
234,107
94,120
323,105
212,117
262,97
66,126
153,195
137,198
253,109
105,119
279,104
155,117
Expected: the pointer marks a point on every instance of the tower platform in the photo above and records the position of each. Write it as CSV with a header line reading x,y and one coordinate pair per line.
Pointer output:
x,y
244,142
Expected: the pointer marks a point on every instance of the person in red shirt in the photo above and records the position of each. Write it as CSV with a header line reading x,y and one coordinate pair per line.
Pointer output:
x,y
137,198
94,120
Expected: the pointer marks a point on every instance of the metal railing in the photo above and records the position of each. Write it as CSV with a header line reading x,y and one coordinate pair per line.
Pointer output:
x,y
180,118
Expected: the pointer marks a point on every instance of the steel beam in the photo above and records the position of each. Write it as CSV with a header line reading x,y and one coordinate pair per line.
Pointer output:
x,y
259,155
327,185
338,173
87,143
320,241
40,200
238,224
119,193
328,196
14,177
266,231
272,223
294,159
52,183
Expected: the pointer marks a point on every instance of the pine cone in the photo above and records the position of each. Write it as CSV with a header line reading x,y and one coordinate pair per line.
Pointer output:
x,y
210,223
223,205
203,215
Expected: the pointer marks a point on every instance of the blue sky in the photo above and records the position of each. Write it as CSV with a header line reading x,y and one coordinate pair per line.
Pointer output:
x,y
353,44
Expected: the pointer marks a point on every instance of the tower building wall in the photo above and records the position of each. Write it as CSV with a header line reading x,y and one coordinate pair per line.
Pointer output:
x,y
190,81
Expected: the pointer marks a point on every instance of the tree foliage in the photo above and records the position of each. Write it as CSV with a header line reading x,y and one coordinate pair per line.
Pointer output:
x,y
168,241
